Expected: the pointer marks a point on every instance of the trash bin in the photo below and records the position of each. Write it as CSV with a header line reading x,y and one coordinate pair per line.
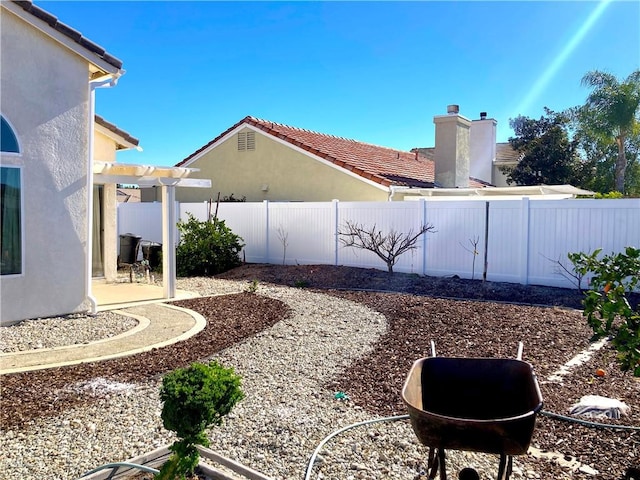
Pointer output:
x,y
152,252
129,247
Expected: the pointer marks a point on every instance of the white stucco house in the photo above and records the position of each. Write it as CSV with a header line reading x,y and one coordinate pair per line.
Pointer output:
x,y
58,171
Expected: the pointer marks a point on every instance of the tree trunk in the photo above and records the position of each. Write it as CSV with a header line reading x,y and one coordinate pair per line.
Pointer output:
x,y
621,165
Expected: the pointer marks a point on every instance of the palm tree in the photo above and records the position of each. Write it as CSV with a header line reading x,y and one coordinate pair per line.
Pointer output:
x,y
614,106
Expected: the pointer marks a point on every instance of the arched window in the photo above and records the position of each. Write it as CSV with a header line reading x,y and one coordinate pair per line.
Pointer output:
x,y
10,205
8,139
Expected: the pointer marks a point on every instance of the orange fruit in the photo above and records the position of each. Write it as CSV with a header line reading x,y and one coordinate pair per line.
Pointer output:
x,y
607,287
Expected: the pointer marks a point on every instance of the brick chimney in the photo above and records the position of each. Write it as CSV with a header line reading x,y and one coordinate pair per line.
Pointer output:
x,y
451,156
483,147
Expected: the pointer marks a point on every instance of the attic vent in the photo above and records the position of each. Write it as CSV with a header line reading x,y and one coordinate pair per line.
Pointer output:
x,y
251,140
246,141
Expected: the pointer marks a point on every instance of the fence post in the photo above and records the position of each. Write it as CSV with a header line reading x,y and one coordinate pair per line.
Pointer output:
x,y
266,231
524,240
336,229
423,203
486,243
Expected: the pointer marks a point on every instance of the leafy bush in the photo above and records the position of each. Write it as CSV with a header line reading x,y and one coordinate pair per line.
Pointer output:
x,y
231,198
606,305
195,398
613,194
206,248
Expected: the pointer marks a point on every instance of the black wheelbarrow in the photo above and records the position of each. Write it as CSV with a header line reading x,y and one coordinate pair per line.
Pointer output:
x,y
486,405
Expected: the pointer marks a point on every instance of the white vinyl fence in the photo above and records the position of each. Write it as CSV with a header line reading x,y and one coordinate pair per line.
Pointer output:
x,y
523,240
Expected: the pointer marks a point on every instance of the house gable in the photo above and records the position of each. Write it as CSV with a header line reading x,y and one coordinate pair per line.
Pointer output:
x,y
273,170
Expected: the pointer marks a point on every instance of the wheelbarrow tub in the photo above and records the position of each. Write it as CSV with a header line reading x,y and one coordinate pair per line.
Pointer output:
x,y
477,404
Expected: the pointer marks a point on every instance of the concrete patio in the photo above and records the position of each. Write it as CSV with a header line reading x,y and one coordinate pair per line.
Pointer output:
x,y
122,294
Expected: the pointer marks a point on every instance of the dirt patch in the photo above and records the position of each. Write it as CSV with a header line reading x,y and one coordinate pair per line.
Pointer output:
x,y
337,277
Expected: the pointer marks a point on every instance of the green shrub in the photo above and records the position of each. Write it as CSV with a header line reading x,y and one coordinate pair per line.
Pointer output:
x,y
195,398
613,194
206,248
606,305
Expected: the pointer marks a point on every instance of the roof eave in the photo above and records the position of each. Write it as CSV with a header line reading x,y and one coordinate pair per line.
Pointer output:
x,y
105,65
123,140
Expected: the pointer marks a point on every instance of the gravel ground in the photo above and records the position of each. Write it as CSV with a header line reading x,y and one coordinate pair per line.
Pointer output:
x,y
57,332
295,348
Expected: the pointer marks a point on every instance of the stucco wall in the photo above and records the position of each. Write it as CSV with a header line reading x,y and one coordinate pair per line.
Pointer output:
x,y
288,174
104,148
45,96
499,179
451,153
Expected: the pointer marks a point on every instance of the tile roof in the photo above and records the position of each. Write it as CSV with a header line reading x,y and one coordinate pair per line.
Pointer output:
x,y
29,7
118,131
385,166
506,154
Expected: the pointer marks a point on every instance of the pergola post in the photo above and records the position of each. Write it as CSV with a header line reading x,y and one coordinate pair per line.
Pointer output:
x,y
169,222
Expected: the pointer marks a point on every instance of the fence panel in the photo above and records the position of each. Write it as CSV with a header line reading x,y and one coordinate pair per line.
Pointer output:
x,y
559,228
143,219
249,220
457,224
506,255
301,233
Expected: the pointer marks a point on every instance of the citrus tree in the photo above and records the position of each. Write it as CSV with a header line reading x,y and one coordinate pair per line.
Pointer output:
x,y
607,306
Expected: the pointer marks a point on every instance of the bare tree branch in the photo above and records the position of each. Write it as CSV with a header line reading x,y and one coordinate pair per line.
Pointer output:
x,y
474,250
388,247
573,275
283,236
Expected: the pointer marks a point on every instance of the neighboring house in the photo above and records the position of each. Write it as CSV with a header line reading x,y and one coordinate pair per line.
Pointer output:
x,y
505,156
474,146
263,160
128,195
56,155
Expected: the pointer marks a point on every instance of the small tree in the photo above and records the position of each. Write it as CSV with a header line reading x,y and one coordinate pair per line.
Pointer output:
x,y
195,398
388,246
206,248
606,305
473,251
283,236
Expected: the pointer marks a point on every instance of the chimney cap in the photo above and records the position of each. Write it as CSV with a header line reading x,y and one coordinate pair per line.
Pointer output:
x,y
453,109
483,115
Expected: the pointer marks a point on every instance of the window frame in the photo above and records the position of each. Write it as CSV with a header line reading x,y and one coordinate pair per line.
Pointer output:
x,y
14,137
21,220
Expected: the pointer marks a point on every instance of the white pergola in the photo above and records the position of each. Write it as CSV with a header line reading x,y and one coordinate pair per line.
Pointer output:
x,y
168,178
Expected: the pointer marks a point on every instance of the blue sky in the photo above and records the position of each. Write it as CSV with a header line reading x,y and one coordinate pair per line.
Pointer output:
x,y
372,71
